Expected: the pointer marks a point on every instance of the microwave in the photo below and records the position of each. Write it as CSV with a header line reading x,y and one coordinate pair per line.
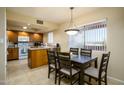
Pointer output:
x,y
23,38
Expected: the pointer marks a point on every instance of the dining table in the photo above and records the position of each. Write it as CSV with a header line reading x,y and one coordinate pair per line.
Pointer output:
x,y
82,61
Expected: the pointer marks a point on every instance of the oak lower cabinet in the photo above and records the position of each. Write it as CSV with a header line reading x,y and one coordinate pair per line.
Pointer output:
x,y
37,58
12,54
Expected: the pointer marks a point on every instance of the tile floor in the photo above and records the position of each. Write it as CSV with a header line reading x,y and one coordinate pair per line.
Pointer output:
x,y
18,73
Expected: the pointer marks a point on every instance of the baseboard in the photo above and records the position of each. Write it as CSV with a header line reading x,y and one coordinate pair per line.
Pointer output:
x,y
115,81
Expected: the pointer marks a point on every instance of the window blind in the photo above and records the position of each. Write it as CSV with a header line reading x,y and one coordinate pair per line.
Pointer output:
x,y
91,36
50,37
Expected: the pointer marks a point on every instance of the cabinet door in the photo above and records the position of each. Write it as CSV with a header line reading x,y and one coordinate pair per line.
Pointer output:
x,y
12,36
9,56
15,53
44,56
36,37
12,53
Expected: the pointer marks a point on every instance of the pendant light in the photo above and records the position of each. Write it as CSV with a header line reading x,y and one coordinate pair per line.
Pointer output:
x,y
71,30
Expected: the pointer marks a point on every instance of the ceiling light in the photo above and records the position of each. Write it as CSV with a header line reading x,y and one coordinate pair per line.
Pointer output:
x,y
72,30
29,24
24,27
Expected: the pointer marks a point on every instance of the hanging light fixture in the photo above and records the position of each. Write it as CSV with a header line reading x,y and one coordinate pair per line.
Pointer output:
x,y
71,30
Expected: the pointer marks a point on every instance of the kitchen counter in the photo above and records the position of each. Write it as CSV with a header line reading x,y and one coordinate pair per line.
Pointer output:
x,y
37,57
37,48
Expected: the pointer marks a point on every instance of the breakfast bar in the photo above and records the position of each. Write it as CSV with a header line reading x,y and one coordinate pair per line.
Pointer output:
x,y
37,57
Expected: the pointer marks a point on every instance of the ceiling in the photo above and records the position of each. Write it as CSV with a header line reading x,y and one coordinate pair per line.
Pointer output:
x,y
18,26
53,14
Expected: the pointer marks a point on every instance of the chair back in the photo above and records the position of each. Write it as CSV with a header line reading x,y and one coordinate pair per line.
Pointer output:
x,y
75,51
64,61
51,57
104,64
86,52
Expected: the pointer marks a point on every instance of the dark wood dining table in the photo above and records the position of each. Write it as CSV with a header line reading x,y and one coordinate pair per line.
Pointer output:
x,y
82,61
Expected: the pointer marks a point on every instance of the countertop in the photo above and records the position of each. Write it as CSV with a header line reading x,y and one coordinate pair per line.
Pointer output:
x,y
37,48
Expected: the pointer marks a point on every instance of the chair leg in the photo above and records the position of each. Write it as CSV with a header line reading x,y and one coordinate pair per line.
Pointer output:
x,y
49,73
71,81
99,81
55,76
89,79
105,79
59,78
90,64
79,78
96,80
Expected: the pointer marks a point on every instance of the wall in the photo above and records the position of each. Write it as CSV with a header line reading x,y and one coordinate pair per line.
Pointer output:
x,y
115,44
2,46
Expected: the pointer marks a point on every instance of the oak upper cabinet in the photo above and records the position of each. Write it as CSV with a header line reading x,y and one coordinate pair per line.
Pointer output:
x,y
12,36
36,37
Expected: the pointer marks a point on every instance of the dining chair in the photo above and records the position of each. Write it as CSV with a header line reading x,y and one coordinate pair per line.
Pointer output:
x,y
55,49
86,52
66,68
52,64
100,74
74,51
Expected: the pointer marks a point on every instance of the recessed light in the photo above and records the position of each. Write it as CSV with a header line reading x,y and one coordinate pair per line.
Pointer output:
x,y
29,24
24,27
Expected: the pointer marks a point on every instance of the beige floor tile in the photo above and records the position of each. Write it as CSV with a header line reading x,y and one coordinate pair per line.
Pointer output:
x,y
18,73
19,80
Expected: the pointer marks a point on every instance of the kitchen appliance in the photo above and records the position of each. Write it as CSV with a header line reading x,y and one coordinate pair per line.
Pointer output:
x,y
23,38
23,50
23,44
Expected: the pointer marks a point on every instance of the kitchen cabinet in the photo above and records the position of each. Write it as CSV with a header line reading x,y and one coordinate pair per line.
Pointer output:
x,y
12,36
36,37
12,54
37,57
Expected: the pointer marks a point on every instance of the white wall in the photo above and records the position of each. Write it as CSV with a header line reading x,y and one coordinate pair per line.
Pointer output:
x,y
115,43
2,45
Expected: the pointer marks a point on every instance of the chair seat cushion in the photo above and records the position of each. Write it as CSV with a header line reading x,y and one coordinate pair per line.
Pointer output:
x,y
91,71
53,66
67,71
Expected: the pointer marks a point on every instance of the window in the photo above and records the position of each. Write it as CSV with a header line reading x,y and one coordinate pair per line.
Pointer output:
x,y
50,37
92,36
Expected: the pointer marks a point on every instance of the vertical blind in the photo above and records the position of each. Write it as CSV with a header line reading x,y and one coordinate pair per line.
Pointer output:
x,y
92,36
50,37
